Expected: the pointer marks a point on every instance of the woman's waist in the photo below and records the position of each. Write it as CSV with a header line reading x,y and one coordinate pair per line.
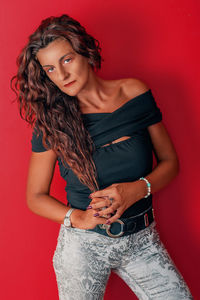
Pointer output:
x,y
135,209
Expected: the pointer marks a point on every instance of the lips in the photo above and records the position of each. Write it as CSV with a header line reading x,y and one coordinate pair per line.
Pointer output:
x,y
70,83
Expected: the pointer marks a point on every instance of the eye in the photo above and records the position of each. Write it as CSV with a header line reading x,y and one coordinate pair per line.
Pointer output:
x,y
67,59
50,70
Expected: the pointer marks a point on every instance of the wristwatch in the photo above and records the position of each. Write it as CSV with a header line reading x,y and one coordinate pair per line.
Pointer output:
x,y
67,221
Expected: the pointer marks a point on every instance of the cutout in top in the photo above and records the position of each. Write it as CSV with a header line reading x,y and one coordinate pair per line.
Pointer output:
x,y
123,138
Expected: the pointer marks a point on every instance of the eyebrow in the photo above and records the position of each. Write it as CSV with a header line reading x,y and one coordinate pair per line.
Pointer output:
x,y
59,59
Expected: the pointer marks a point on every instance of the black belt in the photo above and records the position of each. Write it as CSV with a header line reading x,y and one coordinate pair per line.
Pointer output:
x,y
126,226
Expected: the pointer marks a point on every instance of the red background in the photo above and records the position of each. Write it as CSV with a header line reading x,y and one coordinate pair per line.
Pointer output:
x,y
155,41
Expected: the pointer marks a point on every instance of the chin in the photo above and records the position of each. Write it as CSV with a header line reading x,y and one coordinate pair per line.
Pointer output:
x,y
70,93
66,91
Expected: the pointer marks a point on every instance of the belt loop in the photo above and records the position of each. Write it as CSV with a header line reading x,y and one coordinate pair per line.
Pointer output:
x,y
146,220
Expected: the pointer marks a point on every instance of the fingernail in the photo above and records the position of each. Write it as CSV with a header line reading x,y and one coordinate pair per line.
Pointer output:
x,y
108,222
90,197
96,215
89,207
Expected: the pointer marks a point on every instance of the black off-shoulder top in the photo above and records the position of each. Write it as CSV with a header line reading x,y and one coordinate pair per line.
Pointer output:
x,y
123,161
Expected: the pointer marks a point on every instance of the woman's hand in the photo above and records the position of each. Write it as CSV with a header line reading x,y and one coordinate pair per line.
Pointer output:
x,y
84,219
124,195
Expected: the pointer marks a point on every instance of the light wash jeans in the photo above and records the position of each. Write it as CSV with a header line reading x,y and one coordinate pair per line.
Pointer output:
x,y
83,261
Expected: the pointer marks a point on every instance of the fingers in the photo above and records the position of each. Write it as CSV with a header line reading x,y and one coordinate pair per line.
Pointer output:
x,y
99,202
100,193
101,220
114,218
104,211
110,207
107,211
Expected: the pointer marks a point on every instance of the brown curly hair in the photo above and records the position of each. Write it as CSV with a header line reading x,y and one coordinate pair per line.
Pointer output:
x,y
43,105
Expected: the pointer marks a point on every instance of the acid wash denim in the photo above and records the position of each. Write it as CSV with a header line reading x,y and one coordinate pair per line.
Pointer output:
x,y
83,261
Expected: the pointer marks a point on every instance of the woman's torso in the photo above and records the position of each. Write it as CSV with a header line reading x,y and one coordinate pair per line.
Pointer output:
x,y
125,159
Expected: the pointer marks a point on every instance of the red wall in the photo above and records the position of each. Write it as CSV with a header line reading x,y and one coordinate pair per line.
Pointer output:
x,y
156,41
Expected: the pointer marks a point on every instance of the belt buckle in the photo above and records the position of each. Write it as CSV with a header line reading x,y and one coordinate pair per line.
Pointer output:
x,y
115,235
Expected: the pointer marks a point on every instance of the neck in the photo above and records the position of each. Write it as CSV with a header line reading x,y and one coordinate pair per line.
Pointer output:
x,y
93,93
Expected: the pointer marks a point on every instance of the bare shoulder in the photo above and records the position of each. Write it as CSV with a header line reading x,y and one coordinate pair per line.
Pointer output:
x,y
133,87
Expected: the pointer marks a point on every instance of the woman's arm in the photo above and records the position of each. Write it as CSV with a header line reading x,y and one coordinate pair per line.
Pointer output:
x,y
167,159
39,201
40,174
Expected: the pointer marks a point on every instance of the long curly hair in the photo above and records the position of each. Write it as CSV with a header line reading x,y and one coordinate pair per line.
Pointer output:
x,y
49,110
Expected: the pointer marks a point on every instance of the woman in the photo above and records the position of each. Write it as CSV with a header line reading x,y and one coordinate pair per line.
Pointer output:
x,y
102,133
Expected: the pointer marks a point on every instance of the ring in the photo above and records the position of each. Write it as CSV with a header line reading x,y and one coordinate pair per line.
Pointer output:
x,y
111,200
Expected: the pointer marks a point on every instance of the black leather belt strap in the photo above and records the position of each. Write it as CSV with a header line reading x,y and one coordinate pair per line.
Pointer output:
x,y
126,226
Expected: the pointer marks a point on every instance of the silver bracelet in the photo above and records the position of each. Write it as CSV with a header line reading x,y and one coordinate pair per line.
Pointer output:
x,y
148,186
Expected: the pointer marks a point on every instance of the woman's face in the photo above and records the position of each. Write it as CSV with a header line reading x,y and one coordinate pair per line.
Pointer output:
x,y
63,65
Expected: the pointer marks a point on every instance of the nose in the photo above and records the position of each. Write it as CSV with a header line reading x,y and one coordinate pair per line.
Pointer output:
x,y
62,74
